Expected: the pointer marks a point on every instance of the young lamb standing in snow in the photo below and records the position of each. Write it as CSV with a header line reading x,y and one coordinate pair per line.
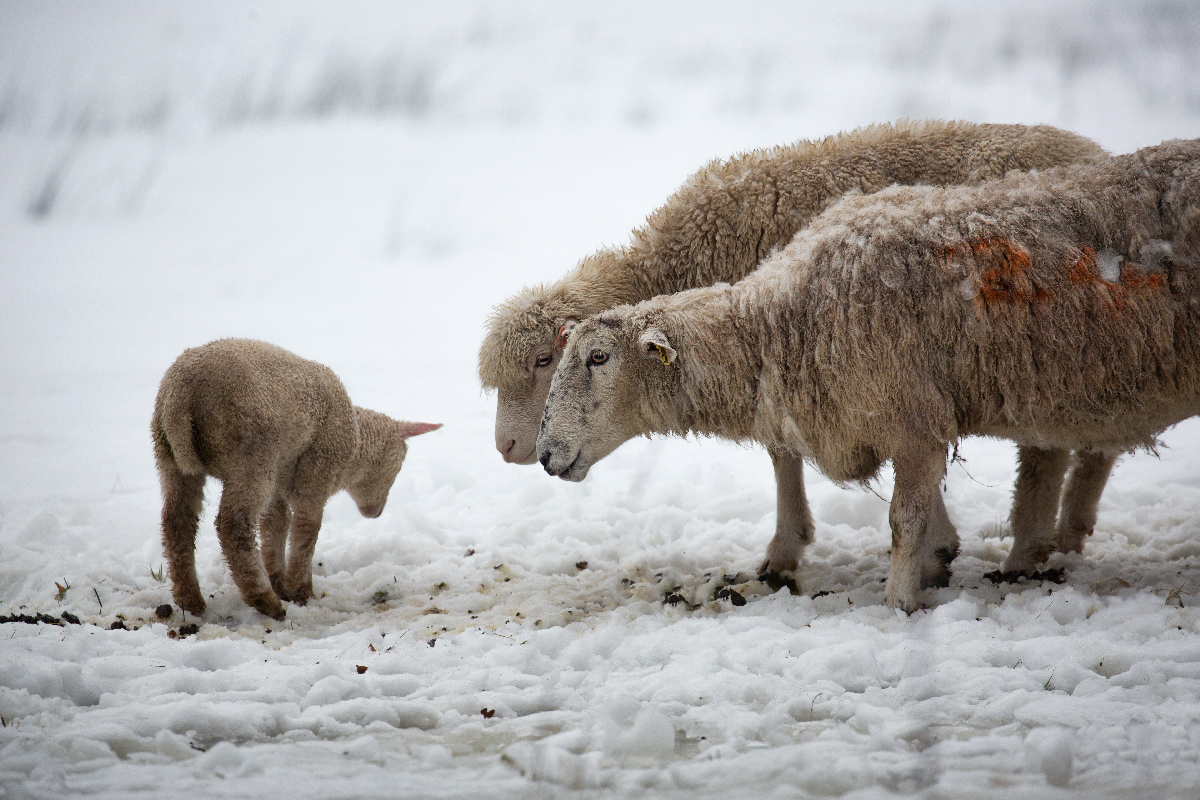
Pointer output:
x,y
1060,310
280,433
717,227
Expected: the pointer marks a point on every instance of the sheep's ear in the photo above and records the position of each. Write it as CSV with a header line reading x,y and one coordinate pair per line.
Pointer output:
x,y
654,344
564,332
408,429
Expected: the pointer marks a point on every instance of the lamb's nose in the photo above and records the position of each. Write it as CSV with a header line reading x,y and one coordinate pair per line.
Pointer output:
x,y
507,450
545,461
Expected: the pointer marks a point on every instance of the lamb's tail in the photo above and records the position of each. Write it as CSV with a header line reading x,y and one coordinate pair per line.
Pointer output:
x,y
175,438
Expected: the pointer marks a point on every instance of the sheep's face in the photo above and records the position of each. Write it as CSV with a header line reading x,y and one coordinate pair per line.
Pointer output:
x,y
595,398
519,405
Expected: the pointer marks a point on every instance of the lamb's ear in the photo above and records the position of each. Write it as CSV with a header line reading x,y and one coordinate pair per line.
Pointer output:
x,y
654,344
564,332
408,429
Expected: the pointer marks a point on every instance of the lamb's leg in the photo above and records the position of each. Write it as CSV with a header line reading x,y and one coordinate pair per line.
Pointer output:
x,y
306,524
919,471
272,535
1035,503
1085,483
183,497
793,520
242,503
941,546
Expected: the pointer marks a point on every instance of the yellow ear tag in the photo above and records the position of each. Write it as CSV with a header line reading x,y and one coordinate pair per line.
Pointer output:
x,y
662,354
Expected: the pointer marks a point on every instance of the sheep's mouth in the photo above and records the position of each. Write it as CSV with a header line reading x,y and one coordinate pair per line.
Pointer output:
x,y
571,472
575,471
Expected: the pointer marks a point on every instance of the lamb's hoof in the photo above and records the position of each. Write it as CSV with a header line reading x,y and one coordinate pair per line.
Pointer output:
x,y
193,603
277,587
299,595
270,606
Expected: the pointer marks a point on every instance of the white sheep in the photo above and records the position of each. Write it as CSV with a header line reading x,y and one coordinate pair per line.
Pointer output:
x,y
717,227
280,433
1060,310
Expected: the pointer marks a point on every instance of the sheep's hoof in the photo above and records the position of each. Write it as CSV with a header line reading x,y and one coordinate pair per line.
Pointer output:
x,y
936,575
1071,540
277,586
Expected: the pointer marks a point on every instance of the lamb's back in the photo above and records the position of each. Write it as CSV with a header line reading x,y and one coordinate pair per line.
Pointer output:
x,y
251,400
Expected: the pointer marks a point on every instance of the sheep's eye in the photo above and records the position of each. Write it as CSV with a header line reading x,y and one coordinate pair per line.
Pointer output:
x,y
598,357
544,360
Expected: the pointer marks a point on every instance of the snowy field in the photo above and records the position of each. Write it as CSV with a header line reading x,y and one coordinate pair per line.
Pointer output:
x,y
360,183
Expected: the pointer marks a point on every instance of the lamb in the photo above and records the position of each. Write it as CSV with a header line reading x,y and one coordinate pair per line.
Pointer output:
x,y
1060,310
717,227
280,433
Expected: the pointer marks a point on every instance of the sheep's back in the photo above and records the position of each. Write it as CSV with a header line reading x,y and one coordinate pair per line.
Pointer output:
x,y
999,309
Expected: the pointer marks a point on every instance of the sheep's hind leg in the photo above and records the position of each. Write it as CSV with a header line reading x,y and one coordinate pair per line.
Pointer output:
x,y
793,520
1035,503
941,546
183,497
306,524
272,535
242,504
1085,484
919,471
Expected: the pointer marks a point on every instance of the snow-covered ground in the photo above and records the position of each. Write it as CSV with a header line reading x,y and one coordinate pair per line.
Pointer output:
x,y
359,183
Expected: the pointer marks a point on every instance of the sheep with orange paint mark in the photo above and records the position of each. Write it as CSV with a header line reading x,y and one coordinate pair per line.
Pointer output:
x,y
898,323
717,227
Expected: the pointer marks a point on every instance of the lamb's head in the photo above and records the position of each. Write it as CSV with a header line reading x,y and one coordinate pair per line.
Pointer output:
x,y
615,368
381,450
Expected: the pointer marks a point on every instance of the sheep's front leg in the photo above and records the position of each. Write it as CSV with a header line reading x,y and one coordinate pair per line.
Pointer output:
x,y
183,496
1077,517
306,524
272,538
1035,503
941,546
793,519
242,503
919,471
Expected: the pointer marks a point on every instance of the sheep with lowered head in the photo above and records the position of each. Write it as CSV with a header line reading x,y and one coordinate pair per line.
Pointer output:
x,y
717,227
1060,310
281,434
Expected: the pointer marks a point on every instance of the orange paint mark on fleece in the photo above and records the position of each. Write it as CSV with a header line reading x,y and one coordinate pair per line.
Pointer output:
x,y
1086,269
1006,271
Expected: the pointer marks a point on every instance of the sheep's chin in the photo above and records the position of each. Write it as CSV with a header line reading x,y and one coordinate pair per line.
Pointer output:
x,y
576,472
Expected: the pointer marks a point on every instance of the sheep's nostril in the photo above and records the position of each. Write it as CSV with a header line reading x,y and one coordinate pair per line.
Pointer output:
x,y
545,461
508,448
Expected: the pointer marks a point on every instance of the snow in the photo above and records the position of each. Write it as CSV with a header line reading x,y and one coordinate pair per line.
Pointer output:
x,y
360,183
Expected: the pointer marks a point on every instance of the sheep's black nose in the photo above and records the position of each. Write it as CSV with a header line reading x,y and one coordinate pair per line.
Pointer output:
x,y
545,461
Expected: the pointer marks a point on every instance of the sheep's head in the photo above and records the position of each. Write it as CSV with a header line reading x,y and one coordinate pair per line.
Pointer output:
x,y
613,368
382,447
517,358
524,342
